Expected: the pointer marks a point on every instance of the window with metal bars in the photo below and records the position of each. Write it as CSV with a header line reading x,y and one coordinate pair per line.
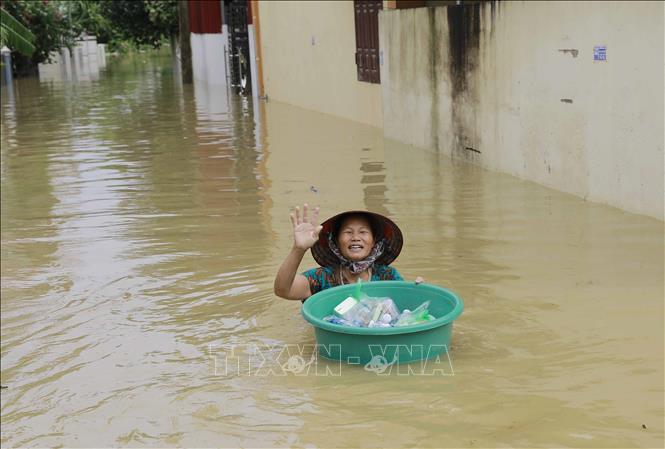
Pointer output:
x,y
367,39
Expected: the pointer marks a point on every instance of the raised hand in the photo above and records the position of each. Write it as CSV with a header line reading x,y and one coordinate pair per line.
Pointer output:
x,y
305,230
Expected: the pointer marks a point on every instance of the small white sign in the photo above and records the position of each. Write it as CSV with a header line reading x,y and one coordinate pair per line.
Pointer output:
x,y
600,53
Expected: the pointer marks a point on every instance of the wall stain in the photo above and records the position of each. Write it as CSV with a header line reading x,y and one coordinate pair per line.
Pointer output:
x,y
572,51
494,6
464,38
434,78
464,28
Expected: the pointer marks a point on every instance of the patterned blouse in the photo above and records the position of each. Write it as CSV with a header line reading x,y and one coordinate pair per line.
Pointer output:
x,y
324,277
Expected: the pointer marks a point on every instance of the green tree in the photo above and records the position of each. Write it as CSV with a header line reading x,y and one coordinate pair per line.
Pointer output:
x,y
86,16
164,14
142,22
14,35
58,23
46,21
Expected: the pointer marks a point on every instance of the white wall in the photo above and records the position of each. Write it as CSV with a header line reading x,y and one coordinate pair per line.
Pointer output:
x,y
83,64
603,143
208,58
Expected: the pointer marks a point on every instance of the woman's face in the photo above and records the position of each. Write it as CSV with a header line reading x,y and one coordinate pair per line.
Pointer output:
x,y
355,239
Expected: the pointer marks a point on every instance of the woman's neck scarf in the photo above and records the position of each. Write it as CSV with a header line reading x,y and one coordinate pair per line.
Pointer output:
x,y
362,265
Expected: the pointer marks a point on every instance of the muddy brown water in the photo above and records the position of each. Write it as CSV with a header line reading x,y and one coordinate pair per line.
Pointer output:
x,y
143,223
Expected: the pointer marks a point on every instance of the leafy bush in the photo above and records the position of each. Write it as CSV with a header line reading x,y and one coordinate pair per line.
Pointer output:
x,y
141,22
15,35
46,21
122,24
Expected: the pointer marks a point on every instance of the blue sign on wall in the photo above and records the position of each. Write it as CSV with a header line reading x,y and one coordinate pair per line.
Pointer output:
x,y
600,53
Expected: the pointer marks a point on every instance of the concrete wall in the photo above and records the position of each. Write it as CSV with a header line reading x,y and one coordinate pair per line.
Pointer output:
x,y
308,59
513,86
209,58
82,64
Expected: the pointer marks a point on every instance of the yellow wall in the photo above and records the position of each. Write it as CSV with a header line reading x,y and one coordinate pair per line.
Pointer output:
x,y
308,59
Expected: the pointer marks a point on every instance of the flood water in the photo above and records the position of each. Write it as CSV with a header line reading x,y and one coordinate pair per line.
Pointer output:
x,y
142,225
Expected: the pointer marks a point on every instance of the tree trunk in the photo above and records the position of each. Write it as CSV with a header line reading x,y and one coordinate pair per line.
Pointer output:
x,y
185,48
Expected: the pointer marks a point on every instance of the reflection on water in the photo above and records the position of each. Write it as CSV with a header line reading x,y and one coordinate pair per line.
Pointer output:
x,y
142,224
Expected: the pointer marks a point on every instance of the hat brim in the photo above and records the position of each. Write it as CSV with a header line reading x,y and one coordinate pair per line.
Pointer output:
x,y
388,230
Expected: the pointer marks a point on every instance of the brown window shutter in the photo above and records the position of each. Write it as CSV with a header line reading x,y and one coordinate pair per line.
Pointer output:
x,y
359,41
373,17
367,39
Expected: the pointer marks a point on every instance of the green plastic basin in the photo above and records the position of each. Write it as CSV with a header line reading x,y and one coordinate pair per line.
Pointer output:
x,y
359,345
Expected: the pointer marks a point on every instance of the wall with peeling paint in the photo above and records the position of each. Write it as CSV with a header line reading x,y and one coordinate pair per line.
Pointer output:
x,y
309,59
513,86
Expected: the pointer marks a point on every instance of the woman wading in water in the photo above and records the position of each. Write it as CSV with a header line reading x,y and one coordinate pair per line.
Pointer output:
x,y
349,246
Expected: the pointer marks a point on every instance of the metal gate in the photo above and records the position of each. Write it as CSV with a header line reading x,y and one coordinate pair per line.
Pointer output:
x,y
236,12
